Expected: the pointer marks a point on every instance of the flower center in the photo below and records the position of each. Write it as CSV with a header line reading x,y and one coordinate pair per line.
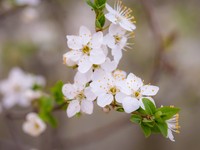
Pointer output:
x,y
137,94
80,96
86,49
117,39
17,88
95,66
36,125
113,90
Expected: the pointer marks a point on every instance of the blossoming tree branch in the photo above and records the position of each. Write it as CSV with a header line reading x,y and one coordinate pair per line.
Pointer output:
x,y
95,57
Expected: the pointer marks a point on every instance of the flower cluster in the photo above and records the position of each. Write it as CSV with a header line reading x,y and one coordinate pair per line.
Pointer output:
x,y
96,57
97,77
20,88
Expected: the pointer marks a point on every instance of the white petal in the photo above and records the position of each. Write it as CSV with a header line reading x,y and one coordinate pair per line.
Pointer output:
x,y
110,41
97,40
87,107
134,82
83,78
74,42
110,9
109,65
99,87
111,17
73,55
142,104
126,24
117,54
149,90
104,99
84,64
130,104
115,29
97,56
120,96
170,135
73,108
90,96
9,101
85,34
69,91
98,74
67,61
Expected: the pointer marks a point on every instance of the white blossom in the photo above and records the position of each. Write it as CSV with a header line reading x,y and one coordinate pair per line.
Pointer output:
x,y
132,91
86,49
107,87
15,87
33,126
173,125
81,96
121,15
116,39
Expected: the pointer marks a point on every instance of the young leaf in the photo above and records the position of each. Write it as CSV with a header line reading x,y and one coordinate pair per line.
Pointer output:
x,y
163,128
48,118
136,118
91,4
146,130
168,112
57,92
149,106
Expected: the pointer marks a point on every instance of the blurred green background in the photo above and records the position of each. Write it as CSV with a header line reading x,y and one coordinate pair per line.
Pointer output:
x,y
35,41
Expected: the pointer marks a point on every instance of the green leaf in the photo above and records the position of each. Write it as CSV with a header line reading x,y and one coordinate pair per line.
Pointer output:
x,y
98,24
56,91
45,104
163,128
48,118
155,129
168,112
36,87
136,118
91,4
101,19
149,106
120,109
146,130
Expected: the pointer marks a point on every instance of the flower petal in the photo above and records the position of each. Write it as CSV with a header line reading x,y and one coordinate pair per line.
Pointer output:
x,y
126,24
69,91
130,104
170,135
111,17
84,64
90,96
117,54
87,107
149,90
104,99
134,82
97,56
73,55
73,108
74,42
115,29
109,65
85,34
120,96
97,40
110,9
